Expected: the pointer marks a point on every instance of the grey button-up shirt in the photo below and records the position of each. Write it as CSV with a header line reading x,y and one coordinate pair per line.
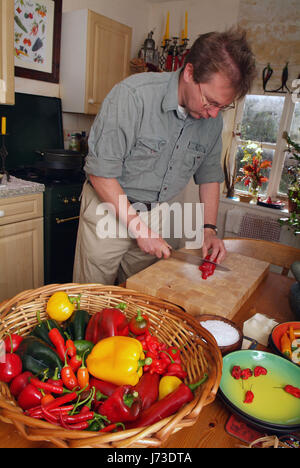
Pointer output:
x,y
139,138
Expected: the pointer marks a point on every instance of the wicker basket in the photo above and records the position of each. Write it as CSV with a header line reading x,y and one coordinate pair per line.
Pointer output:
x,y
168,322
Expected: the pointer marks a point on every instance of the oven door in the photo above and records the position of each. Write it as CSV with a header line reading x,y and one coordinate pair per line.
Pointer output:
x,y
60,234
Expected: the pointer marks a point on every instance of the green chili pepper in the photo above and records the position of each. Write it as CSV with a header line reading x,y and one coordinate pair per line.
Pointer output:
x,y
20,24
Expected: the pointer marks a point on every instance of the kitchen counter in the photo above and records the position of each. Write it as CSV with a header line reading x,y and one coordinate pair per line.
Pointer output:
x,y
17,187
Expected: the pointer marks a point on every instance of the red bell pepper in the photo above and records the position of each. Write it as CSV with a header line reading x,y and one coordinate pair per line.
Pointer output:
x,y
19,383
29,397
10,368
123,405
106,323
148,388
168,405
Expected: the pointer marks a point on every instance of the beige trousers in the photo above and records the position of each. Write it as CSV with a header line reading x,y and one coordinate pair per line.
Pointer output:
x,y
113,259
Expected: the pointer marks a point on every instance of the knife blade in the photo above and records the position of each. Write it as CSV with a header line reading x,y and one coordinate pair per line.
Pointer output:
x,y
195,260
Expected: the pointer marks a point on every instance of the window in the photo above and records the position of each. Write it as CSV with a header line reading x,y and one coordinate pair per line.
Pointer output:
x,y
262,119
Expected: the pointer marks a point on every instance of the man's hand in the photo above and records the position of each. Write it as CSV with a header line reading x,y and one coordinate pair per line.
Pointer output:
x,y
157,247
211,241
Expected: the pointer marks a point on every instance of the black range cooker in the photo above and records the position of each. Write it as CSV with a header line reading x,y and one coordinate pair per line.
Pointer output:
x,y
34,123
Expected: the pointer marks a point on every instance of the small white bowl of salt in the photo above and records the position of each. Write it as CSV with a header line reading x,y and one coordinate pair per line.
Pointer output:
x,y
227,334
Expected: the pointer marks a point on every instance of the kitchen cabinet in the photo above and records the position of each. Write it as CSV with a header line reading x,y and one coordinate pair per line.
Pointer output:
x,y
7,81
21,244
95,55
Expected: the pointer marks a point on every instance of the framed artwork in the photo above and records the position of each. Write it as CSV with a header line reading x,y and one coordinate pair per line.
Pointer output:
x,y
37,27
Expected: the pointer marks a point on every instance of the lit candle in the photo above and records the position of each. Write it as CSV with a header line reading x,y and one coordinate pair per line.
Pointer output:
x,y
186,26
3,125
167,33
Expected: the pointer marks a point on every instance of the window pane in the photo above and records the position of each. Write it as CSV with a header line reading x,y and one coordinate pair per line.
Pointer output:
x,y
268,155
261,118
295,127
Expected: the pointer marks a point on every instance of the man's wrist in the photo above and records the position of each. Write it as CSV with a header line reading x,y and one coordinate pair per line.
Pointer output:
x,y
212,227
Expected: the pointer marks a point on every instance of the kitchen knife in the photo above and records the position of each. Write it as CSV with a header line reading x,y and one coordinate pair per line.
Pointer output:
x,y
195,260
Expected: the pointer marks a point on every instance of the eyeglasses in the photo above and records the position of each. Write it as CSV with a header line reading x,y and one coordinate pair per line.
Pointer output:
x,y
208,105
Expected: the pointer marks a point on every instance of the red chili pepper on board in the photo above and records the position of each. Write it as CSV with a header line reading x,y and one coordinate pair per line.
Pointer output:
x,y
123,405
106,323
139,323
249,397
207,268
260,371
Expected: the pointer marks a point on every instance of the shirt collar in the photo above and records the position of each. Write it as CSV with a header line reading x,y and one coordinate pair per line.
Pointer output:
x,y
170,101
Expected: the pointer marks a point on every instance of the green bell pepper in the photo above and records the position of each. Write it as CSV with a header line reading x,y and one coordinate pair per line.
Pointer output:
x,y
37,356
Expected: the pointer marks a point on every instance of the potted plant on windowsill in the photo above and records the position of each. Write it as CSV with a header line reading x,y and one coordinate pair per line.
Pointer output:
x,y
253,170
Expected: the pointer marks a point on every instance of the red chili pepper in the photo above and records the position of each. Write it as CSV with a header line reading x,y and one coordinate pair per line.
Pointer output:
x,y
157,365
139,323
58,341
260,371
29,397
176,370
108,322
47,398
249,397
207,268
123,405
292,390
71,348
68,376
246,374
236,372
12,342
168,405
111,427
147,388
75,362
107,388
47,386
19,383
55,380
60,401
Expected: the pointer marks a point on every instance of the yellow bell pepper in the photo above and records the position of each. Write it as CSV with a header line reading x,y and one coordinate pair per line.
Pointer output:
x,y
117,359
167,385
59,306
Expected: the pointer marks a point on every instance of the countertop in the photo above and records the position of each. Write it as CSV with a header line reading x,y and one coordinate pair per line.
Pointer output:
x,y
17,187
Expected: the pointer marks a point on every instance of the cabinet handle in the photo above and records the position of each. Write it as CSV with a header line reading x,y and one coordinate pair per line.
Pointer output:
x,y
2,213
91,101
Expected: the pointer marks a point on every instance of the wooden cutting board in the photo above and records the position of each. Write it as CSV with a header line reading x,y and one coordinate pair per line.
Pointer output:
x,y
181,283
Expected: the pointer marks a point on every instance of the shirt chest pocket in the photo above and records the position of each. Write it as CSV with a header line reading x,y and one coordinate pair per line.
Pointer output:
x,y
195,153
146,152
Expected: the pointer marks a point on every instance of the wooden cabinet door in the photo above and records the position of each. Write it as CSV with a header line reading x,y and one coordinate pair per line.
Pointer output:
x,y
7,81
108,56
21,257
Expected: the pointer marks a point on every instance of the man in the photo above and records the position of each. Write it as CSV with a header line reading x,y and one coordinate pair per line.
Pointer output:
x,y
154,132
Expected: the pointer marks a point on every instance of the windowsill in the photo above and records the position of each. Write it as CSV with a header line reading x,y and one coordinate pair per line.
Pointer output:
x,y
256,208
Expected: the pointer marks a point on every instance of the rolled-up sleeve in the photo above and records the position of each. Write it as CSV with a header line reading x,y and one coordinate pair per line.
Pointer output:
x,y
211,169
112,133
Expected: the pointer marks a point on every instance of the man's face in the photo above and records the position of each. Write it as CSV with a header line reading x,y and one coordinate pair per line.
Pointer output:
x,y
203,100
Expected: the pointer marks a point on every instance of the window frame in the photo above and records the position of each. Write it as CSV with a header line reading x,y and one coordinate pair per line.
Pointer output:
x,y
279,146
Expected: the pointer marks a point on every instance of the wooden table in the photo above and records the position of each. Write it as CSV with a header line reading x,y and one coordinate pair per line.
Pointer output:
x,y
271,299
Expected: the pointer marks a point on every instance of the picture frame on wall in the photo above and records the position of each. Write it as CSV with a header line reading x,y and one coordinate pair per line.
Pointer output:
x,y
37,36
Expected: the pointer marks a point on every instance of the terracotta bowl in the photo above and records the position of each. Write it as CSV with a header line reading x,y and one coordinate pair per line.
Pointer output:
x,y
224,349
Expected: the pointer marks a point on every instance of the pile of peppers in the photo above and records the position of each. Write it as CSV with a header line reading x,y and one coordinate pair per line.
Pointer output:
x,y
101,373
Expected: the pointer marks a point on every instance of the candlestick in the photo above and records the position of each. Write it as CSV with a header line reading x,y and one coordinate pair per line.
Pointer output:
x,y
167,33
3,125
186,26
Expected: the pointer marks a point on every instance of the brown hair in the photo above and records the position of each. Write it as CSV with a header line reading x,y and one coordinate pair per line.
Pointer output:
x,y
226,52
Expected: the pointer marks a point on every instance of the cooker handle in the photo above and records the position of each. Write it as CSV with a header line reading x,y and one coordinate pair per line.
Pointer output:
x,y
41,153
